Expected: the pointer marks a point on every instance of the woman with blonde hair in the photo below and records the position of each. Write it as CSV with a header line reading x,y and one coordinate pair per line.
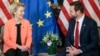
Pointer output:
x,y
17,33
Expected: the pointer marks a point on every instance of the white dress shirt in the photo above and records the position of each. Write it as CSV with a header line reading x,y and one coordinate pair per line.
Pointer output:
x,y
80,20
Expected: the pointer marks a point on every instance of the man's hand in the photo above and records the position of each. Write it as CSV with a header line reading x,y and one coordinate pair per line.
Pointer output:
x,y
68,49
75,50
72,51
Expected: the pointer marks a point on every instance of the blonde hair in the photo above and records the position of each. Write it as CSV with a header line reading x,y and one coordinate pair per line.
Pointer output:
x,y
14,7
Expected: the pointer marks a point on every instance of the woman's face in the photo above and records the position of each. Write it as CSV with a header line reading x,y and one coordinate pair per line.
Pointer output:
x,y
19,12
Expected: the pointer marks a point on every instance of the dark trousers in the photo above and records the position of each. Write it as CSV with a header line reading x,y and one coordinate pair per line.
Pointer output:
x,y
91,53
12,52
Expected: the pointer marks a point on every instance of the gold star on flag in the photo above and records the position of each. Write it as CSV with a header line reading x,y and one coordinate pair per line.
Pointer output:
x,y
49,3
40,23
48,14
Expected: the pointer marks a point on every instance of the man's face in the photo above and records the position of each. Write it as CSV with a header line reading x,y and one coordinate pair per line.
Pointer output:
x,y
73,13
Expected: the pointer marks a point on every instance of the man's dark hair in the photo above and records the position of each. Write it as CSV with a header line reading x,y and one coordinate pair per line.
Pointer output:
x,y
77,6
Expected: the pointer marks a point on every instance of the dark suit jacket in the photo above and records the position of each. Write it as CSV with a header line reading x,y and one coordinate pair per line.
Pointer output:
x,y
89,37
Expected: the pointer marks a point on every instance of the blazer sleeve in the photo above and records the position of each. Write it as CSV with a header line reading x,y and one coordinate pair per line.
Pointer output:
x,y
94,37
6,39
29,36
68,37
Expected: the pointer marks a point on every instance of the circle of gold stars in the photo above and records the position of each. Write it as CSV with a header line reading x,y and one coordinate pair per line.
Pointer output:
x,y
47,15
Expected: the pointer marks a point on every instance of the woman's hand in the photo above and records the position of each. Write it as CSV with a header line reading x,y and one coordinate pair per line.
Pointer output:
x,y
22,48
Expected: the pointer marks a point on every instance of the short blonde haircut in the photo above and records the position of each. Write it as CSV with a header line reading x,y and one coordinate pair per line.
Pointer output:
x,y
14,7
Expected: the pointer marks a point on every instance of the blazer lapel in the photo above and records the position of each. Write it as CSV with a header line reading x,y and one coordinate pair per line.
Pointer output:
x,y
73,26
23,31
14,29
83,26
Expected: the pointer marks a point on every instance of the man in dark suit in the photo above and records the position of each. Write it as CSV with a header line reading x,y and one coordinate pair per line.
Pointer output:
x,y
82,38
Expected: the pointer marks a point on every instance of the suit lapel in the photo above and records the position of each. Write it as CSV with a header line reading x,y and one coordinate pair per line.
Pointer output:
x,y
83,26
73,26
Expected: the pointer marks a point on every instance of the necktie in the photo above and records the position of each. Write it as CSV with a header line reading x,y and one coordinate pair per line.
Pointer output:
x,y
77,35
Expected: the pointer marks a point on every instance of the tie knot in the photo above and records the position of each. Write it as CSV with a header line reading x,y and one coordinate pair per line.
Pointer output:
x,y
77,22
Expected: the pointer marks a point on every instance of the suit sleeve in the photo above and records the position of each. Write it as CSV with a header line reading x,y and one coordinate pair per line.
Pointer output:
x,y
68,43
29,36
7,39
94,37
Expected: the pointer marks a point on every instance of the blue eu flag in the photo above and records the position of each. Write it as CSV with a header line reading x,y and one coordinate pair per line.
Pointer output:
x,y
54,1
39,13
